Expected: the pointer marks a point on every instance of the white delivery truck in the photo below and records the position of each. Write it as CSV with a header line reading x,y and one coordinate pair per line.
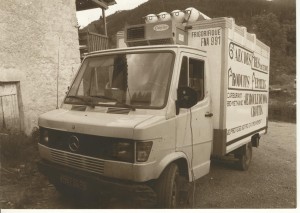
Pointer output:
x,y
147,118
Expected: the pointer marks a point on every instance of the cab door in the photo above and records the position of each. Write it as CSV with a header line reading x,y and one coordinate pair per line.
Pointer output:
x,y
194,125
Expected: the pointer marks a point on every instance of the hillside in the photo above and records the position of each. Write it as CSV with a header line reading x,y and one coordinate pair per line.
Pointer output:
x,y
273,22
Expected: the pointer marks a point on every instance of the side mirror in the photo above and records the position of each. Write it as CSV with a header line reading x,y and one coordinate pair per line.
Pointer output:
x,y
186,98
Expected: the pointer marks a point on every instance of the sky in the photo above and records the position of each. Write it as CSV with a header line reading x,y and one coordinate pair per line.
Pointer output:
x,y
87,16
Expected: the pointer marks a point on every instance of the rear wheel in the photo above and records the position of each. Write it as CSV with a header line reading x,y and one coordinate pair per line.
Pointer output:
x,y
244,157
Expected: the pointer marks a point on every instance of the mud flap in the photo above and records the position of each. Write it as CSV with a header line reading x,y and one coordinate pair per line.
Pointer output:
x,y
255,140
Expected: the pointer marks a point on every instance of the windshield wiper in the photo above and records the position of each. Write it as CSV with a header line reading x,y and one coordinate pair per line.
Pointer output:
x,y
88,102
126,106
104,97
113,99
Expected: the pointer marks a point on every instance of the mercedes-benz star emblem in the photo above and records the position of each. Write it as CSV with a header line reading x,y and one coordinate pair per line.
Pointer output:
x,y
74,143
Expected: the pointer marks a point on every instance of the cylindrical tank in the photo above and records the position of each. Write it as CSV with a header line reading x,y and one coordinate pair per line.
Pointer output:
x,y
191,14
151,18
164,16
177,16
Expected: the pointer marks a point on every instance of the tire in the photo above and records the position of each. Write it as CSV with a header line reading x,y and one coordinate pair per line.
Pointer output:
x,y
167,188
245,158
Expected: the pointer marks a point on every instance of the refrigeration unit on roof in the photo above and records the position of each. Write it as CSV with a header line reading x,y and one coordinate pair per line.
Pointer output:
x,y
163,28
165,32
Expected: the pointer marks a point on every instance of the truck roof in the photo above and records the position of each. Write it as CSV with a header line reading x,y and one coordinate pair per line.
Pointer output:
x,y
150,47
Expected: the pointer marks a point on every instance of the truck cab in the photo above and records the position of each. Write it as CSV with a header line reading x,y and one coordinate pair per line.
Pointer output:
x,y
125,111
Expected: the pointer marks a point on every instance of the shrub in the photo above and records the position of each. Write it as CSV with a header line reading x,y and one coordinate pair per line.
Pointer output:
x,y
17,148
282,111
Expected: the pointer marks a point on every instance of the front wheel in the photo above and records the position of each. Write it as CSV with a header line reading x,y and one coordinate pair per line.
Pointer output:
x,y
167,188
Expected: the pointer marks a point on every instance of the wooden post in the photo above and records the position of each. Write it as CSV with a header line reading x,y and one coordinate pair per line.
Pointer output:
x,y
104,21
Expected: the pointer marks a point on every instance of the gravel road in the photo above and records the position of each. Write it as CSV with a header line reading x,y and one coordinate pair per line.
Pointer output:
x,y
270,181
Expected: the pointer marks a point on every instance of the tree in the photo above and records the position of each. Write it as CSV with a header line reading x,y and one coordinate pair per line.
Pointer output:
x,y
268,29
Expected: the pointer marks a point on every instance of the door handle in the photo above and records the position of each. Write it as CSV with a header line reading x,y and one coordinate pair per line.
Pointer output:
x,y
209,114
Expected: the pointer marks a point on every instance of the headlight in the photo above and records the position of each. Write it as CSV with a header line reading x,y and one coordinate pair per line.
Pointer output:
x,y
44,136
123,151
143,150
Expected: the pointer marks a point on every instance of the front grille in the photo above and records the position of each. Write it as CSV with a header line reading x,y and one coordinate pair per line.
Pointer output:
x,y
136,33
88,145
77,161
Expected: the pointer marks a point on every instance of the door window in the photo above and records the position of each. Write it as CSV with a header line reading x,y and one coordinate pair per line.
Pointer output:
x,y
192,75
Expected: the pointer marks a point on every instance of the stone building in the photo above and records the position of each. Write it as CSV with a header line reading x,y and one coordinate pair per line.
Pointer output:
x,y
38,49
39,56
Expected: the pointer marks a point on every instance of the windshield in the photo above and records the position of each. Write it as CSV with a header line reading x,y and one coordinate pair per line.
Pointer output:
x,y
139,80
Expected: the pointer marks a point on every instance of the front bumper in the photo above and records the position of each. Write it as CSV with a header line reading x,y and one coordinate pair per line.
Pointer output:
x,y
141,172
84,181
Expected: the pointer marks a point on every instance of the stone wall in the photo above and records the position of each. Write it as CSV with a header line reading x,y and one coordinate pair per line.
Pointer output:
x,y
38,39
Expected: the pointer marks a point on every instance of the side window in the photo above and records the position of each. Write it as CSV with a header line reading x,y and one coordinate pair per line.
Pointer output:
x,y
192,75
196,77
183,79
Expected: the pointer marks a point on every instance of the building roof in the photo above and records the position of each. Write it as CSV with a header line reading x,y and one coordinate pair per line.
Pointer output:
x,y
91,4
